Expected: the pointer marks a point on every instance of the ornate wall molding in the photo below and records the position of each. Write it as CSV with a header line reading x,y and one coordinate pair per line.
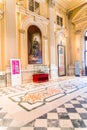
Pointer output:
x,y
20,3
51,3
1,13
61,36
28,22
78,31
22,31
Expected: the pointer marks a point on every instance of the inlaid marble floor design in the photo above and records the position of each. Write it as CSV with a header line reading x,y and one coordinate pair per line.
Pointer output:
x,y
67,112
47,92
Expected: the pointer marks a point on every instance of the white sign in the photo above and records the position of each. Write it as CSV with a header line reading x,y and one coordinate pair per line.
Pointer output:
x,y
15,72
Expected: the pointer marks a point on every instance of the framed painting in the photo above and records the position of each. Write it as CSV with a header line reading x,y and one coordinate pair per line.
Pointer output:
x,y
61,61
36,56
34,45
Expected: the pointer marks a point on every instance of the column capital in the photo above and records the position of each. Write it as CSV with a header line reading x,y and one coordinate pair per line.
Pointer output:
x,y
78,31
51,3
1,13
22,31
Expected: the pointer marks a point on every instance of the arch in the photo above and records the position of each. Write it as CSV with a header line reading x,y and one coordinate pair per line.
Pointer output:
x,y
28,22
24,35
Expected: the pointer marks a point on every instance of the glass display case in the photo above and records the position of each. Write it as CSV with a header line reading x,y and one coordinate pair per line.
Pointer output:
x,y
38,69
41,73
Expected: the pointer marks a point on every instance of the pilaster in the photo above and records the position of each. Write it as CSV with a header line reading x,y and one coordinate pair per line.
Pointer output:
x,y
78,43
1,35
23,49
10,31
0,48
51,38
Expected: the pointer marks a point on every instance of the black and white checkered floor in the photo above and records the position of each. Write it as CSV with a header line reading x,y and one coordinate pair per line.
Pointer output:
x,y
70,115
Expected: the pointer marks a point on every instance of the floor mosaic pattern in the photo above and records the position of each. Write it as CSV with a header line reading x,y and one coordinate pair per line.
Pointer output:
x,y
16,104
70,116
47,92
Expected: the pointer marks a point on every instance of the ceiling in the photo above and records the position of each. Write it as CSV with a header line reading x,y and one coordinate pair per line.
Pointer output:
x,y
71,4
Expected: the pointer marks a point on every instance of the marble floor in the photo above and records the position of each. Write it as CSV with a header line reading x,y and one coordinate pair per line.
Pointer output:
x,y
59,104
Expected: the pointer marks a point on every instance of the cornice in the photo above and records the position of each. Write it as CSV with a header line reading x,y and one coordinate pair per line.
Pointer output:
x,y
35,15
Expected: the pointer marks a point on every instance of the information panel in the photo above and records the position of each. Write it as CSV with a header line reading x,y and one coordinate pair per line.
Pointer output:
x,y
15,72
61,60
77,68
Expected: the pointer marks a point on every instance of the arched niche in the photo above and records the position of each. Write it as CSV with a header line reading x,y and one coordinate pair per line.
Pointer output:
x,y
34,39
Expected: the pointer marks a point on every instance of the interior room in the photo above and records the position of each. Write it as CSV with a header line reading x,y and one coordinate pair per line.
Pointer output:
x,y
43,64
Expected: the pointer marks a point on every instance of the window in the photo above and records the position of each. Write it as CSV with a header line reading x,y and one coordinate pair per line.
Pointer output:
x,y
34,6
31,5
59,21
86,33
86,41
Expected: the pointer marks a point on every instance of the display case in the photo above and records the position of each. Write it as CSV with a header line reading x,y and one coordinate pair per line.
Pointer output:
x,y
41,73
38,69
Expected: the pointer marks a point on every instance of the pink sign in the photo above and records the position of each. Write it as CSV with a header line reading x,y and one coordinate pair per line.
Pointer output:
x,y
15,67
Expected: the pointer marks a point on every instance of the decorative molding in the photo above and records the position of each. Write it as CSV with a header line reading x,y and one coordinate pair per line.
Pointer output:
x,y
78,31
28,12
1,13
63,32
22,31
20,3
45,37
78,28
51,3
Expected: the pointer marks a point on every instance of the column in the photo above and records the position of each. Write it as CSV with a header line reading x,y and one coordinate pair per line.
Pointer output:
x,y
69,51
51,38
1,34
11,49
45,46
78,44
0,48
23,49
